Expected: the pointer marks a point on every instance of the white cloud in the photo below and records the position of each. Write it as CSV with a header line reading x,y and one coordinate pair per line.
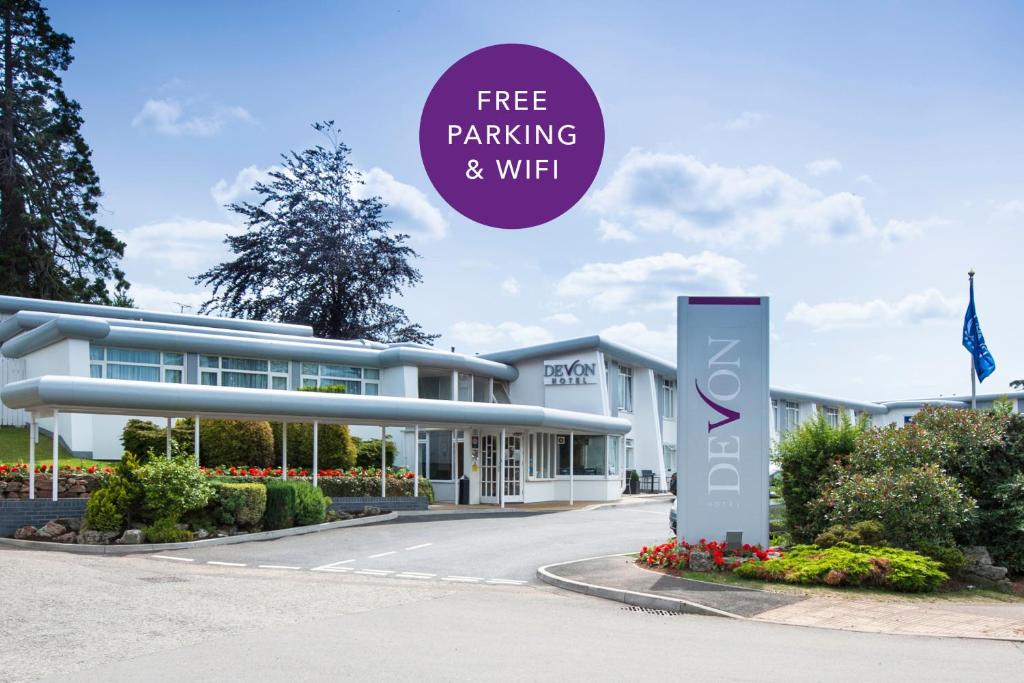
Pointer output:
x,y
912,309
483,337
865,179
824,166
1009,211
613,231
178,246
241,187
653,282
510,286
562,319
660,343
169,117
745,121
408,208
724,205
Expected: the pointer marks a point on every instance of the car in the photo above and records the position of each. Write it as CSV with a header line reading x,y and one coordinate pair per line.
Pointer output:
x,y
672,510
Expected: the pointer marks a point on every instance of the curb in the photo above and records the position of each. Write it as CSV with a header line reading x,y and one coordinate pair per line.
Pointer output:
x,y
82,549
644,600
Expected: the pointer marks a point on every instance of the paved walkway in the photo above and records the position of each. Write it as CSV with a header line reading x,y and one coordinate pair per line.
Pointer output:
x,y
619,578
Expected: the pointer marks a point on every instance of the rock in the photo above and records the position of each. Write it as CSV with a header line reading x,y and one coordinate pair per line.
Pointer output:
x,y
370,510
977,555
131,537
69,537
201,534
71,524
342,515
52,530
181,527
982,573
701,561
14,486
26,533
92,537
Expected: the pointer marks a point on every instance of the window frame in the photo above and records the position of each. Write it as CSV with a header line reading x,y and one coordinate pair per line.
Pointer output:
x,y
163,367
205,370
668,397
322,379
625,397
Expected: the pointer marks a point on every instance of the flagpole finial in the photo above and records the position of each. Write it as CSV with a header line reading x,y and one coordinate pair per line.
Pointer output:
x,y
970,273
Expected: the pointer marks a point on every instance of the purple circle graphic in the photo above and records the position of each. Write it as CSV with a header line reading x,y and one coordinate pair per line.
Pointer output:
x,y
512,136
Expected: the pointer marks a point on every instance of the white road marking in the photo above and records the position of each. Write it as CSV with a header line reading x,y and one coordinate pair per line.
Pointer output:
x,y
421,545
332,565
390,552
374,572
336,570
278,566
463,579
171,557
414,576
226,564
506,582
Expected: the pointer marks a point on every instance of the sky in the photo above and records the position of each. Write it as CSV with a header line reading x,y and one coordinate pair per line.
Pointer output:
x,y
850,161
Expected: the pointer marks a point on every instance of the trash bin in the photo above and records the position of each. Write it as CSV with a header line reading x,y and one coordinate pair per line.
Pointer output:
x,y
464,490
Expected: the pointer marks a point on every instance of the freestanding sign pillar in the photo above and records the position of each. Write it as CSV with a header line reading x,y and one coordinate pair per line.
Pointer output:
x,y
723,444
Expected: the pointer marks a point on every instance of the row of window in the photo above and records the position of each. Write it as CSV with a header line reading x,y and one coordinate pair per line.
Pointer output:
x,y
356,380
787,415
624,398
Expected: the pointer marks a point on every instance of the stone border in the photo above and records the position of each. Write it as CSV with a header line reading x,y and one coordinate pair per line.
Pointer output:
x,y
637,599
83,549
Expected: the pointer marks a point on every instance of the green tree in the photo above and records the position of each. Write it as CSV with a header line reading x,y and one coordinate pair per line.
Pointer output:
x,y
51,245
313,253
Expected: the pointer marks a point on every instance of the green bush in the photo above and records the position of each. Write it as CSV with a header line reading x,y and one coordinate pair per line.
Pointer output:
x,y
807,455
119,501
142,438
950,558
293,503
335,448
868,532
234,443
165,530
850,565
173,487
358,487
368,452
1003,534
103,511
916,505
241,505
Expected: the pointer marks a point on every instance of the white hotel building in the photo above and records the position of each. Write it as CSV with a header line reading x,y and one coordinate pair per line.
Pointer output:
x,y
575,414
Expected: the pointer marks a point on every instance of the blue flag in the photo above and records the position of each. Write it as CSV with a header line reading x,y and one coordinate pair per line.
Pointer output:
x,y
974,341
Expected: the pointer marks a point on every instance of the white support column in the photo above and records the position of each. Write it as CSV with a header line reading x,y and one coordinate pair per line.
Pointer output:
x,y
455,467
383,463
455,385
501,469
316,454
572,493
195,438
284,450
168,439
55,470
33,429
416,462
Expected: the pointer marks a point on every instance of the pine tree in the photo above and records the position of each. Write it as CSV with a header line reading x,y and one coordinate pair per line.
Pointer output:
x,y
315,254
51,245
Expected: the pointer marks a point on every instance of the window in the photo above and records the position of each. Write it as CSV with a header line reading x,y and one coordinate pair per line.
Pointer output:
x,y
832,416
614,445
588,457
668,453
435,453
668,398
356,380
542,456
791,418
625,389
140,365
630,455
465,387
775,416
245,373
482,390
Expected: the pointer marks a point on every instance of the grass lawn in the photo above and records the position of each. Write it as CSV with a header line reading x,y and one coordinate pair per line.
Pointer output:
x,y
14,449
851,593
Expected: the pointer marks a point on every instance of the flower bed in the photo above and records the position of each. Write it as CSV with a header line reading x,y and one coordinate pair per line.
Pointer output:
x,y
704,555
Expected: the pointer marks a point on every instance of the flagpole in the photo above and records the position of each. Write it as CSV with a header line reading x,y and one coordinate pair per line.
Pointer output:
x,y
974,400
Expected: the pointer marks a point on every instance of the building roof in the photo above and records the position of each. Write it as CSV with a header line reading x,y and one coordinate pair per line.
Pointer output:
x,y
593,342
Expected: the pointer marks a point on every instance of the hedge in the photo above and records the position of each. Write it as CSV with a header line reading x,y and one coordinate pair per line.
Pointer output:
x,y
238,504
293,503
335,448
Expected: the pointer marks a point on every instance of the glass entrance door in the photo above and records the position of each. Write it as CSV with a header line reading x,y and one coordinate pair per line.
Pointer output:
x,y
513,473
488,468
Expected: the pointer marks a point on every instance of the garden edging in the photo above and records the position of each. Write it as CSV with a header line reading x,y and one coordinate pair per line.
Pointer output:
x,y
83,549
637,599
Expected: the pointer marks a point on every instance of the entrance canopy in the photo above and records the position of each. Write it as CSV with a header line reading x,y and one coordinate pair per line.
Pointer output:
x,y
43,395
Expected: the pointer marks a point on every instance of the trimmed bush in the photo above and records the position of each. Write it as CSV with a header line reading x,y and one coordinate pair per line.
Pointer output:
x,y
241,505
807,456
293,503
335,448
951,559
368,452
850,565
233,443
142,438
173,487
165,530
358,487
103,511
868,532
113,507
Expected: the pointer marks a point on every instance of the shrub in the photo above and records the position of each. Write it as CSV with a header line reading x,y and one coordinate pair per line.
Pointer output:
x,y
103,511
173,487
916,505
293,503
335,448
1004,524
165,530
675,554
868,532
113,507
142,438
807,456
241,505
231,443
950,558
368,452
369,485
850,565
